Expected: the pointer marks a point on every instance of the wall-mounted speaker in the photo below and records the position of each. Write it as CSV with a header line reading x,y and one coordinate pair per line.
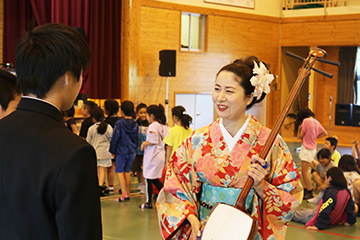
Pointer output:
x,y
343,114
167,66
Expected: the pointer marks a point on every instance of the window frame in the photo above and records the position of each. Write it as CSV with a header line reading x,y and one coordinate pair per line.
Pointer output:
x,y
203,31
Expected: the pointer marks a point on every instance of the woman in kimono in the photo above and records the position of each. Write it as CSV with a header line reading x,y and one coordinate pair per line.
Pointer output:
x,y
213,163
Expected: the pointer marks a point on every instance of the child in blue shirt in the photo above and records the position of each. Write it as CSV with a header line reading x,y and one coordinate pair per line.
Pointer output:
x,y
123,146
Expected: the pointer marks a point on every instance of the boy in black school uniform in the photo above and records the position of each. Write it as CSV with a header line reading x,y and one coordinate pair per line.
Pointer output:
x,y
48,184
87,110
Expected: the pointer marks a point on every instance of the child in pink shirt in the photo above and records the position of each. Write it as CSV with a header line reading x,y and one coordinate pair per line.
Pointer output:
x,y
310,129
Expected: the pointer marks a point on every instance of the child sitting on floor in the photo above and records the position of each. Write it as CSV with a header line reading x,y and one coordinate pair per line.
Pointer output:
x,y
335,208
348,165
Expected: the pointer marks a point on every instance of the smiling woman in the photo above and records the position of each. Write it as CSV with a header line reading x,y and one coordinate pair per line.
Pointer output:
x,y
213,163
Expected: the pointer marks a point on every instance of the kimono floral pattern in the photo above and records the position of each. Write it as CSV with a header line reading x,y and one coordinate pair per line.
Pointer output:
x,y
204,158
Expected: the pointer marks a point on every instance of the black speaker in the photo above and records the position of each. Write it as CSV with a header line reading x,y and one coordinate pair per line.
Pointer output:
x,y
343,114
356,116
167,66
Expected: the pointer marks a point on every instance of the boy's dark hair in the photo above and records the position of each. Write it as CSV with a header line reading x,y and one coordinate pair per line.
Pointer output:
x,y
46,53
128,108
90,106
337,177
159,113
333,141
111,106
140,106
302,114
180,113
324,153
98,115
8,88
347,163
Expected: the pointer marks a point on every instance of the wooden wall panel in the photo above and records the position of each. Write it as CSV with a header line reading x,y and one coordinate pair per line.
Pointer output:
x,y
326,31
228,38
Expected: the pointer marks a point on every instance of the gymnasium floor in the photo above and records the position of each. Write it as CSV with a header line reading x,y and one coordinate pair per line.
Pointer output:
x,y
126,221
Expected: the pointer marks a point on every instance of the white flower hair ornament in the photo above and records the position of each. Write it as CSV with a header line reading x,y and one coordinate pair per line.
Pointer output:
x,y
261,80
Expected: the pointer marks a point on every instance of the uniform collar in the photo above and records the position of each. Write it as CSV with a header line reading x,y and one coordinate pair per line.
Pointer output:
x,y
31,104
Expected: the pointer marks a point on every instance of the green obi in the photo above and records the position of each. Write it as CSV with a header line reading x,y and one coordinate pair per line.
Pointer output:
x,y
210,195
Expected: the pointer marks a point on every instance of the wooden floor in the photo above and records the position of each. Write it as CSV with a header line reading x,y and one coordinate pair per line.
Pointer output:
x,y
125,220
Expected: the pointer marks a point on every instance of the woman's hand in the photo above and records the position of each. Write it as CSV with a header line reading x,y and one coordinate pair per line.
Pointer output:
x,y
195,226
258,171
311,228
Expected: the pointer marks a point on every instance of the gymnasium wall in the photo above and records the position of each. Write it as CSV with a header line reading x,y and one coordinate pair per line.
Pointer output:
x,y
230,36
155,26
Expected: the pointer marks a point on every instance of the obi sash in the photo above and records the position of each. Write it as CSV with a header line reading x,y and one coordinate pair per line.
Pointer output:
x,y
210,195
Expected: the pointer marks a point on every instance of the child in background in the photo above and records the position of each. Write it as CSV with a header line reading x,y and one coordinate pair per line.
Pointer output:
x,y
324,163
348,165
99,136
111,107
86,110
310,129
179,132
138,161
123,146
69,119
154,151
355,148
10,93
335,208
331,144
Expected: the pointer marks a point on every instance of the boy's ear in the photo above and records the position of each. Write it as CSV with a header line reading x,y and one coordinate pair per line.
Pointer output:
x,y
66,79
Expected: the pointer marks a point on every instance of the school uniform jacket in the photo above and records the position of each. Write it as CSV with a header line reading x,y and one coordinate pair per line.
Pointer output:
x,y
48,178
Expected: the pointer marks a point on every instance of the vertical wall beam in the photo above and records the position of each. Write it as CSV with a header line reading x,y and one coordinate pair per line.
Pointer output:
x,y
130,20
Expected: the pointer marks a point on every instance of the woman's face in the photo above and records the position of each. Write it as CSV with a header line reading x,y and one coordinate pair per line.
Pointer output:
x,y
229,97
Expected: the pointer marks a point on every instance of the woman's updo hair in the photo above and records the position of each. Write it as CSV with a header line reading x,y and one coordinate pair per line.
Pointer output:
x,y
243,69
158,111
180,113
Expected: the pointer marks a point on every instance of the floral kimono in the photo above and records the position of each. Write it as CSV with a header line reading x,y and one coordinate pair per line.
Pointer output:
x,y
204,159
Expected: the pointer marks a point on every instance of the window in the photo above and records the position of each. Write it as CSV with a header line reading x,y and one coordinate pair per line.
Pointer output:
x,y
192,32
357,78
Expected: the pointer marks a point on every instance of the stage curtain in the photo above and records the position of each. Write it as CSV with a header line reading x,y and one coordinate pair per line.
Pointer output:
x,y
346,75
105,43
41,11
18,18
101,21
